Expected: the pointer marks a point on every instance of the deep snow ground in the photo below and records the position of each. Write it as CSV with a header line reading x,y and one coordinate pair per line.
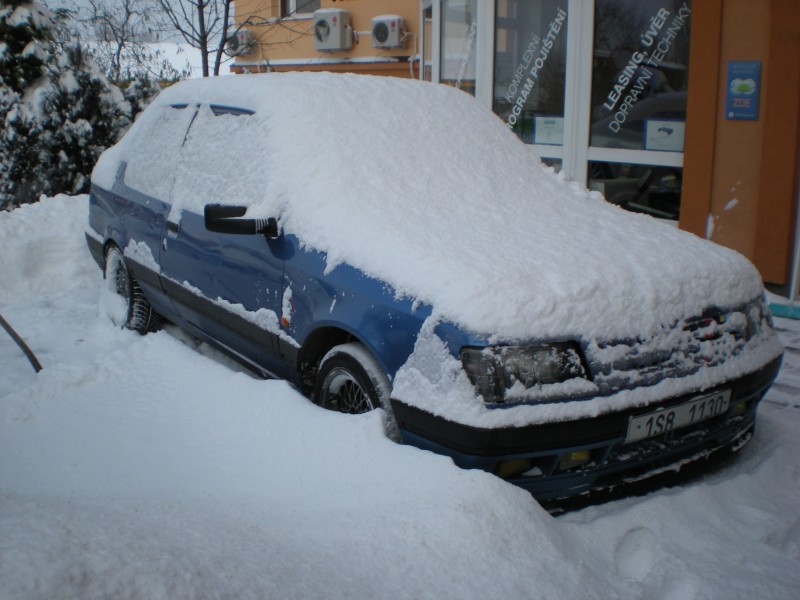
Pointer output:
x,y
148,467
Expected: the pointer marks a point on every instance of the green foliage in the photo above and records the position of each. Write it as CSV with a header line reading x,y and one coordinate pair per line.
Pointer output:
x,y
19,153
80,118
57,114
138,93
24,30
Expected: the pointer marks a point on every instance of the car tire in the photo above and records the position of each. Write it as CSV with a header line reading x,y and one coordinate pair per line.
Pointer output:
x,y
350,380
122,299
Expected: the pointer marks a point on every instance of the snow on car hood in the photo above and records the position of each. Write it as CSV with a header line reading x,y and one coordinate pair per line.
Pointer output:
x,y
420,186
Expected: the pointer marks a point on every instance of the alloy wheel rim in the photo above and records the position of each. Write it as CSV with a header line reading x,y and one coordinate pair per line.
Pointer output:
x,y
343,393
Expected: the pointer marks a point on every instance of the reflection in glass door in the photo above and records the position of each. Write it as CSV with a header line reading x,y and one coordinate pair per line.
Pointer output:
x,y
638,103
459,33
598,89
529,69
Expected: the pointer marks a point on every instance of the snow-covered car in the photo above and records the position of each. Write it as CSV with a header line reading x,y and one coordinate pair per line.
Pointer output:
x,y
390,243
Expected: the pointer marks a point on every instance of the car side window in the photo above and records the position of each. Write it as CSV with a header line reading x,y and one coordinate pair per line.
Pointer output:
x,y
210,171
152,161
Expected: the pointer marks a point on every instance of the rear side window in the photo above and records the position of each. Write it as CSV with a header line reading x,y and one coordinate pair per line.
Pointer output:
x,y
155,153
230,110
222,160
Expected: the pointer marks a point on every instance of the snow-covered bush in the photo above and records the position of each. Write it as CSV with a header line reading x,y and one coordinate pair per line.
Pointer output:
x,y
58,112
81,115
23,38
138,93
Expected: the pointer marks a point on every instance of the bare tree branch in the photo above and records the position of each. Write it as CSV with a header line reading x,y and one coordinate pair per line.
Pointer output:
x,y
203,24
123,32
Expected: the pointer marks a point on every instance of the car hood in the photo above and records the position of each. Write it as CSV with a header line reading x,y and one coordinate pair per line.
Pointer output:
x,y
418,185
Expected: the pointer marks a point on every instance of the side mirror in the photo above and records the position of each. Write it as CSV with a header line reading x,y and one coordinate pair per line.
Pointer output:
x,y
223,218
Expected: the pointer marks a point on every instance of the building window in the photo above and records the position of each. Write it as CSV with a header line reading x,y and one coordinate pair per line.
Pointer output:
x,y
459,35
427,50
530,63
640,74
291,8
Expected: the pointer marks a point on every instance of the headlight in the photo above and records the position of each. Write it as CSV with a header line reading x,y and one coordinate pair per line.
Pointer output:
x,y
499,369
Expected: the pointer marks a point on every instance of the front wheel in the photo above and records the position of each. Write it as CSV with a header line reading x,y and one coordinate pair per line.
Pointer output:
x,y
351,381
122,299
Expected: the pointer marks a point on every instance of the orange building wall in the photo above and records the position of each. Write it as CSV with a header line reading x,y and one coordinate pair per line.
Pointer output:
x,y
780,160
287,44
740,177
736,168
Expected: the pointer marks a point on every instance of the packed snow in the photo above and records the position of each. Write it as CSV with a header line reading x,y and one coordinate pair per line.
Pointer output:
x,y
151,467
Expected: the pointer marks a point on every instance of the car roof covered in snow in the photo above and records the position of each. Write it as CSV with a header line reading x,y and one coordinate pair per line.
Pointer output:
x,y
419,185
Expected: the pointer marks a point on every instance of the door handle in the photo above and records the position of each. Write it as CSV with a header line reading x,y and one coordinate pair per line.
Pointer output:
x,y
173,226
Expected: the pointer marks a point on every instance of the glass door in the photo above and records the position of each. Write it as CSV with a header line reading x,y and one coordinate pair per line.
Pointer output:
x,y
530,63
598,89
459,44
639,82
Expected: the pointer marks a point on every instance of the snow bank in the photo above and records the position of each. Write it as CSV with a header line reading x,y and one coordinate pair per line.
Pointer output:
x,y
150,467
388,174
35,240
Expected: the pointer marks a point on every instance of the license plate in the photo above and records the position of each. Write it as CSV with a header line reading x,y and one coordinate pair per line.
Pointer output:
x,y
668,419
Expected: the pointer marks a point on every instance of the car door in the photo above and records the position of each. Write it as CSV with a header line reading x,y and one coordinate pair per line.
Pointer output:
x,y
143,191
227,288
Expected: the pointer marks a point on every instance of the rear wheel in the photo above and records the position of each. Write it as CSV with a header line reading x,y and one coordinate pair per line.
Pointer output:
x,y
351,381
122,299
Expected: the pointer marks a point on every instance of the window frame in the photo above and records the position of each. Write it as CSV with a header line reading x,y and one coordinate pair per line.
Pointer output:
x,y
289,9
575,154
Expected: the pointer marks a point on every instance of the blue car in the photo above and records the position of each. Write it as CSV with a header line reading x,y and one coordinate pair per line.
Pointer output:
x,y
389,244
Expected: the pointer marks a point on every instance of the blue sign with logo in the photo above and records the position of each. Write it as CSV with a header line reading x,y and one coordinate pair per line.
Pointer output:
x,y
744,88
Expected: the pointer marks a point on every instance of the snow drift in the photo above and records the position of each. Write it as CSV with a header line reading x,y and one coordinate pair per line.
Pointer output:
x,y
149,467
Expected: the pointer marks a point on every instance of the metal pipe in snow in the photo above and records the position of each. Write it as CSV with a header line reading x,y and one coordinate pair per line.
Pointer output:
x,y
21,343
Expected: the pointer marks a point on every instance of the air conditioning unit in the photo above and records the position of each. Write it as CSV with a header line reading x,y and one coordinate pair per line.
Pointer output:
x,y
332,30
388,32
241,42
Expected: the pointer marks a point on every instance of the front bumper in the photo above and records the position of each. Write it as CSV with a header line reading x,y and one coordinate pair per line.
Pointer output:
x,y
532,456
